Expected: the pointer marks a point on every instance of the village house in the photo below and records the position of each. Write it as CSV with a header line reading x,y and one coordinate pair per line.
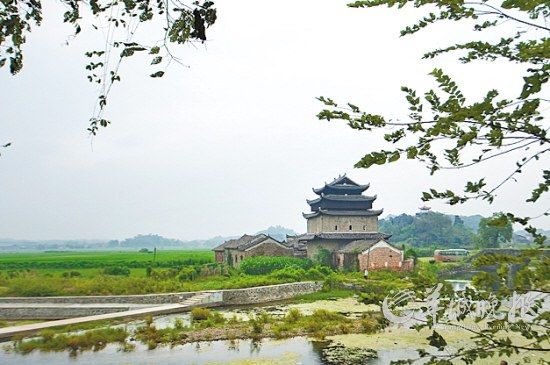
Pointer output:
x,y
342,228
234,251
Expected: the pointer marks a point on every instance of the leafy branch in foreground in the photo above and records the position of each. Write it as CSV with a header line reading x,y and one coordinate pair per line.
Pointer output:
x,y
118,21
446,131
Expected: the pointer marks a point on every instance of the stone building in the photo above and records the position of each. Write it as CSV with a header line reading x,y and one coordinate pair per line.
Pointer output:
x,y
232,252
343,227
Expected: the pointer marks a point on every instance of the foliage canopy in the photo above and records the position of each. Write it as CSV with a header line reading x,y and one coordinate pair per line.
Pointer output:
x,y
446,130
118,20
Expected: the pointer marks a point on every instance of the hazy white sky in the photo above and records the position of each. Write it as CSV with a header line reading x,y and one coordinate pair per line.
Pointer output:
x,y
231,144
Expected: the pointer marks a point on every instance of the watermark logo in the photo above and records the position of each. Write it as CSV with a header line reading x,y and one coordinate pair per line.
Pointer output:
x,y
399,308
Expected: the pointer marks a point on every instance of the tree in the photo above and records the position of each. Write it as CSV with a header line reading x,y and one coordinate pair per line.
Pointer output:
x,y
427,230
493,236
179,23
446,130
443,129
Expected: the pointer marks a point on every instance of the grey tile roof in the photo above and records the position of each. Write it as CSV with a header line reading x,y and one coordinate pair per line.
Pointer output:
x,y
361,213
342,183
344,236
234,243
362,245
336,197
358,245
245,242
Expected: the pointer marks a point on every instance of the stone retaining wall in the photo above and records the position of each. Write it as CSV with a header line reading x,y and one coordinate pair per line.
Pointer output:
x,y
270,293
166,298
255,295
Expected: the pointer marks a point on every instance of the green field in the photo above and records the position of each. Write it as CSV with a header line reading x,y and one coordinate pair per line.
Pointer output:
x,y
132,272
128,272
65,260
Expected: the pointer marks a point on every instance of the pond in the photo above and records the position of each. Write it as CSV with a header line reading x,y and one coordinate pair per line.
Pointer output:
x,y
298,350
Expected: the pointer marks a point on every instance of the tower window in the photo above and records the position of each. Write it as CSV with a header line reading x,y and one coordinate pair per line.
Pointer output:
x,y
350,227
335,228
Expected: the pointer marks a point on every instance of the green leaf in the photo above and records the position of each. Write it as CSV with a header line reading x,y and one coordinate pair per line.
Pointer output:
x,y
157,74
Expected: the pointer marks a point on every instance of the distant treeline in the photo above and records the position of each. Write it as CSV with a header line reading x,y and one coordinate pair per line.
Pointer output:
x,y
431,230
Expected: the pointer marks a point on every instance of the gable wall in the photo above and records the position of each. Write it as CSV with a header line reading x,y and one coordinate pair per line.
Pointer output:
x,y
380,258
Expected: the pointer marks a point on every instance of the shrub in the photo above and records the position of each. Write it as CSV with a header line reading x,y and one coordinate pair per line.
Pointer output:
x,y
324,257
89,340
200,314
323,315
257,326
289,274
47,334
187,273
264,317
33,287
369,325
178,324
281,330
164,274
215,319
117,270
293,315
261,265
410,253
333,281
315,274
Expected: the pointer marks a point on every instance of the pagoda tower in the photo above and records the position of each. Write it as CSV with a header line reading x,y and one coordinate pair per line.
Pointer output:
x,y
342,208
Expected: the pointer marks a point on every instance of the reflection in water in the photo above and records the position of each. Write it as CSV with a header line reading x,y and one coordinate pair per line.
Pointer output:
x,y
459,285
303,351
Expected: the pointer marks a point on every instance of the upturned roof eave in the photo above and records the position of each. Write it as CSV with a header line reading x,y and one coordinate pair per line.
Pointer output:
x,y
343,198
357,187
364,213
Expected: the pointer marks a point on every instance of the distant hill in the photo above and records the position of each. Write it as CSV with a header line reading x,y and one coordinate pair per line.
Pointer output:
x,y
140,241
278,232
524,237
437,228
471,221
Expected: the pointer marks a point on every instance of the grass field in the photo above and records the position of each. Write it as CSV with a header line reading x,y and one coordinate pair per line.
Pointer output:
x,y
88,273
66,260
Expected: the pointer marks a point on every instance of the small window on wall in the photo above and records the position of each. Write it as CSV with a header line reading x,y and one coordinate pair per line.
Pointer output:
x,y
242,257
350,227
364,228
335,228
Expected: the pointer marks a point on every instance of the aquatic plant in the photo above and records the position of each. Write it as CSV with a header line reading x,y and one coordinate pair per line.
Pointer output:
x,y
89,340
200,314
340,355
